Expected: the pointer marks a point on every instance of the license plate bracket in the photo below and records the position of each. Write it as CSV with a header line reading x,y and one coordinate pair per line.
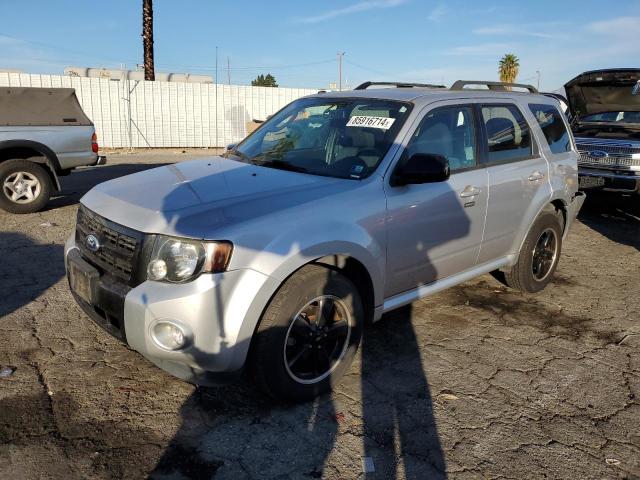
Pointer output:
x,y
83,278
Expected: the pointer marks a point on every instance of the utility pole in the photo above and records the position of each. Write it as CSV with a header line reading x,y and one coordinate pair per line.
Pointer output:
x,y
228,71
538,73
147,39
340,55
216,96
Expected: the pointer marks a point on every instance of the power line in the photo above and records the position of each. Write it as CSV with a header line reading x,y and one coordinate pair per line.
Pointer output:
x,y
250,68
63,49
373,70
163,65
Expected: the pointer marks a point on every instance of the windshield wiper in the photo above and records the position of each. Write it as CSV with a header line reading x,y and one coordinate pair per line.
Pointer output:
x,y
281,165
237,153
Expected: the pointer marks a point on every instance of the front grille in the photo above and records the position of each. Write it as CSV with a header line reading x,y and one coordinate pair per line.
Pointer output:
x,y
609,154
119,245
585,158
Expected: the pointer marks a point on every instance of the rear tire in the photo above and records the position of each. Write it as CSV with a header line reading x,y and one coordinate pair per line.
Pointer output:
x,y
296,353
539,255
25,186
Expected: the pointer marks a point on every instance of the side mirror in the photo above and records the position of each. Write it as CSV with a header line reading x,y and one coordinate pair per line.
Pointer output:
x,y
231,146
421,168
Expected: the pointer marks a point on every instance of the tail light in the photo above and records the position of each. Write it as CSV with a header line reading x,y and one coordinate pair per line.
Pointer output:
x,y
94,143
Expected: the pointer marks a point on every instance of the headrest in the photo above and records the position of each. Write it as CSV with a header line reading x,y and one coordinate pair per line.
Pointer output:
x,y
500,127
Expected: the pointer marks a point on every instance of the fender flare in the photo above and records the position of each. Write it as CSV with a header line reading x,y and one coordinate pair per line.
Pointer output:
x,y
50,158
549,202
273,283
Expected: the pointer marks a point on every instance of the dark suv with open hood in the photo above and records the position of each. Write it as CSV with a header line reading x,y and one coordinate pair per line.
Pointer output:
x,y
605,108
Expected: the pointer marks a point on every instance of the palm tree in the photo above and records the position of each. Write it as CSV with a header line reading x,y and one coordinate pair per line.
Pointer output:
x,y
509,68
147,39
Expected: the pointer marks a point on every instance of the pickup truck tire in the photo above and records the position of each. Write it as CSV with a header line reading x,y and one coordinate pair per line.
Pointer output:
x,y
297,353
25,186
539,255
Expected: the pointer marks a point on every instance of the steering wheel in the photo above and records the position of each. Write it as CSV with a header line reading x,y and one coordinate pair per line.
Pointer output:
x,y
368,152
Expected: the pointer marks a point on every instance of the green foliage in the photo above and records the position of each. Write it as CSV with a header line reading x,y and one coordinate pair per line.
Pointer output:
x,y
267,80
509,68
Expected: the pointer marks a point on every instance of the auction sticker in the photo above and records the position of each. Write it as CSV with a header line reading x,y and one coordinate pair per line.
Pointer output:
x,y
383,123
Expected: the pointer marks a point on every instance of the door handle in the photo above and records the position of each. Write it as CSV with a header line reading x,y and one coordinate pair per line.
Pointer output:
x,y
469,191
535,176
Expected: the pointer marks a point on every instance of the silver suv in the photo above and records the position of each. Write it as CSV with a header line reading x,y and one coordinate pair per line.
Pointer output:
x,y
339,208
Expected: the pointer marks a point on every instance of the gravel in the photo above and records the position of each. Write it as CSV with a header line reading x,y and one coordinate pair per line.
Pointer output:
x,y
478,381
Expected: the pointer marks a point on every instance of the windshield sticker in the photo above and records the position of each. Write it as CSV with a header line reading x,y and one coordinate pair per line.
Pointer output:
x,y
383,123
356,171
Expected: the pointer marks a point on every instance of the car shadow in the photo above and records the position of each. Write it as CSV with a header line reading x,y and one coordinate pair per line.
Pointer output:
x,y
25,280
613,215
235,431
399,425
81,180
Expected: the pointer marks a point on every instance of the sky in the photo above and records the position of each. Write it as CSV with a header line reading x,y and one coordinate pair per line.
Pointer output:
x,y
298,41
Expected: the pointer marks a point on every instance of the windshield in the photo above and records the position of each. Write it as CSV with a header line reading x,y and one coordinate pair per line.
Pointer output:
x,y
344,138
612,117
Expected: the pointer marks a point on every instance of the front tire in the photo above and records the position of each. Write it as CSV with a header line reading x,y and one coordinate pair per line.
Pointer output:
x,y
25,186
308,335
539,255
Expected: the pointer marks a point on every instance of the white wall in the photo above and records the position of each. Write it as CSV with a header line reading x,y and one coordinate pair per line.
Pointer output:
x,y
134,113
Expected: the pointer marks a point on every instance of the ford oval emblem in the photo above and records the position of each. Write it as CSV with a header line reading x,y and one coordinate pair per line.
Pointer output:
x,y
92,243
598,154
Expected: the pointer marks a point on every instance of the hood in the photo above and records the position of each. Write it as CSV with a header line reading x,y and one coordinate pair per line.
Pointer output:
x,y
603,91
195,198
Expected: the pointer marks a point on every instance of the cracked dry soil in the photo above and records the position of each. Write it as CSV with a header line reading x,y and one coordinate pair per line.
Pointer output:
x,y
476,382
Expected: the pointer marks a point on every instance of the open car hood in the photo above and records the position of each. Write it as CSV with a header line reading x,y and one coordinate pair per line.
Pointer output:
x,y
601,91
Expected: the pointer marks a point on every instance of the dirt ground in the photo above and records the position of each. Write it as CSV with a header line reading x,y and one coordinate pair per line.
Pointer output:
x,y
476,382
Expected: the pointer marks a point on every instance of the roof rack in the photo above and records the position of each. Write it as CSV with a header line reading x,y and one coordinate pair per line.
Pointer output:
x,y
365,85
557,96
496,86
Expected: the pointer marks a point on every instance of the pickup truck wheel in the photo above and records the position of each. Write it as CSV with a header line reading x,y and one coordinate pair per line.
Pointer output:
x,y
539,255
308,335
25,187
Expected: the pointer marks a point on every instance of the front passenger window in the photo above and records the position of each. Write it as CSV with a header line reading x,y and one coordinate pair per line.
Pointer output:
x,y
449,132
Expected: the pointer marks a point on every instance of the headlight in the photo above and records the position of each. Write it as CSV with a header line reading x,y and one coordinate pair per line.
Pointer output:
x,y
180,260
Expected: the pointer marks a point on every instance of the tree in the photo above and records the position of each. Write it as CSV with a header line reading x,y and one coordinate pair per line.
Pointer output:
x,y
147,39
509,68
264,81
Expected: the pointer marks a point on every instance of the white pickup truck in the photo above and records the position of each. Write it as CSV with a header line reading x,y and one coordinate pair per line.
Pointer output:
x,y
44,134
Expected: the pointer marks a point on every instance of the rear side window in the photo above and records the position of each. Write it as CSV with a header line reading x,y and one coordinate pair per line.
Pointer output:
x,y
508,134
550,121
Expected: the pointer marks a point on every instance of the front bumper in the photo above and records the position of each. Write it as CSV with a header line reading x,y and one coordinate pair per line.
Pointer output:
x,y
220,311
625,181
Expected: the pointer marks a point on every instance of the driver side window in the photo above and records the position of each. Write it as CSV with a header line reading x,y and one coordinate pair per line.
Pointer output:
x,y
447,131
